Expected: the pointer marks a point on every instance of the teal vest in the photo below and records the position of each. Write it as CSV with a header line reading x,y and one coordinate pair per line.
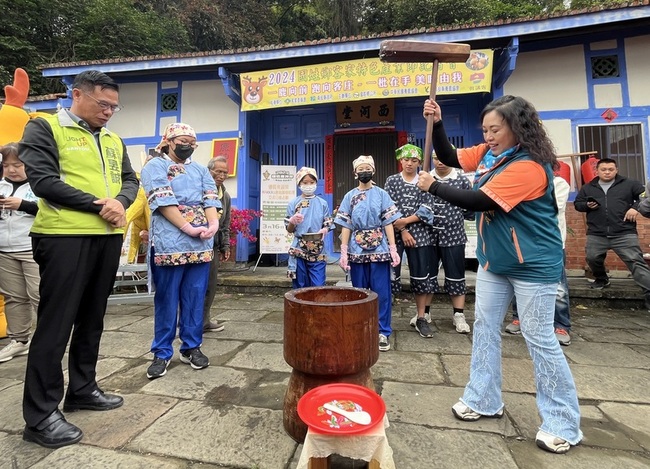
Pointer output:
x,y
524,243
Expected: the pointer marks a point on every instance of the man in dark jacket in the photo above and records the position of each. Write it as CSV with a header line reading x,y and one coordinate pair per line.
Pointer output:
x,y
611,202
218,167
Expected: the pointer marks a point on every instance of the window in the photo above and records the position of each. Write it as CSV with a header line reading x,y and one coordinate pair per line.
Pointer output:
x,y
605,66
620,142
169,102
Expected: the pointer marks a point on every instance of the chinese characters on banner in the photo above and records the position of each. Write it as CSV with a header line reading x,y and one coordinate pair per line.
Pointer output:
x,y
278,188
356,80
227,147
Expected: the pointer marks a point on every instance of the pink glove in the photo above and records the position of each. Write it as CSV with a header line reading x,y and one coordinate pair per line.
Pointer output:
x,y
343,262
213,226
323,232
192,231
296,219
394,256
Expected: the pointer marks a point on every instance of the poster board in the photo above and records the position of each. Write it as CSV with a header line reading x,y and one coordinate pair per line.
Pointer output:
x,y
278,188
228,147
470,226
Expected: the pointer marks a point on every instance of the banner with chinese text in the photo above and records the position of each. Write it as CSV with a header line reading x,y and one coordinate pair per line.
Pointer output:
x,y
356,80
278,188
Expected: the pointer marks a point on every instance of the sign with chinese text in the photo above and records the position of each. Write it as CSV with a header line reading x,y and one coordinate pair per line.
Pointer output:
x,y
229,148
372,110
356,80
278,188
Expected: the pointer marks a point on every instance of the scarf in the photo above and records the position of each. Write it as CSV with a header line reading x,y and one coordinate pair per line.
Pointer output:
x,y
490,161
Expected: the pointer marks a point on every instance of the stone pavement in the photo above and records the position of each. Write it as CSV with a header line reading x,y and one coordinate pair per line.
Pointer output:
x,y
230,414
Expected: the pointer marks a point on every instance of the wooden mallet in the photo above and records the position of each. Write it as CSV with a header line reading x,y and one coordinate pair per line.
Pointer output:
x,y
424,52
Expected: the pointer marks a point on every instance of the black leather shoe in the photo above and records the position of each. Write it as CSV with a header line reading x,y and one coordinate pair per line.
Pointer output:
x,y
53,432
96,400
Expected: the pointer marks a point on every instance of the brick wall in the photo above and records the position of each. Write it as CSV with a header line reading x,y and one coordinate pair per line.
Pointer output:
x,y
576,238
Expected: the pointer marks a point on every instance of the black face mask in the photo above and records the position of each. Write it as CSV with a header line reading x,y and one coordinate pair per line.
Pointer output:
x,y
364,176
183,152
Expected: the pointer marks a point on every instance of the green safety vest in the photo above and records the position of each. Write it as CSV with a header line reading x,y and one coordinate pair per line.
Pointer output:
x,y
83,167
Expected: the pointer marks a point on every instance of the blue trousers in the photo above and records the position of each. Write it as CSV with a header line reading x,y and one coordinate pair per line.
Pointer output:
x,y
562,317
183,285
309,274
375,276
557,399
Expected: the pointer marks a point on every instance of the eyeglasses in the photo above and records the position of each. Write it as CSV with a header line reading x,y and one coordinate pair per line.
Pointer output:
x,y
104,105
219,173
193,145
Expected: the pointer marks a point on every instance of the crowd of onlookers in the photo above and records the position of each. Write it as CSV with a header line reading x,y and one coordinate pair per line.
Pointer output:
x,y
61,241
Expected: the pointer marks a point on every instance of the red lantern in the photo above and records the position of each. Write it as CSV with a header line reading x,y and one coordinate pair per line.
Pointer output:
x,y
564,171
588,169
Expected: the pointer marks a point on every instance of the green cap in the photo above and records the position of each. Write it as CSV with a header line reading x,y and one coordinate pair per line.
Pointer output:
x,y
408,151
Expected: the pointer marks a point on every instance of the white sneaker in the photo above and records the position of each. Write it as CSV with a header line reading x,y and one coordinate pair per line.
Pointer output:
x,y
14,349
462,412
384,344
461,325
414,319
551,443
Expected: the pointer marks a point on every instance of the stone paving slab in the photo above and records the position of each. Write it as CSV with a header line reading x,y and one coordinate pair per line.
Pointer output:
x,y
183,382
7,383
611,384
410,341
125,344
634,420
11,410
142,325
255,332
82,456
260,356
517,373
608,355
416,446
431,406
616,336
114,322
236,436
113,429
527,455
16,453
409,367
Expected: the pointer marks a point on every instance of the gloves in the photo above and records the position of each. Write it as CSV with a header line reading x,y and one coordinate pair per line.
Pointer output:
x,y
296,219
343,262
213,226
394,256
192,231
323,232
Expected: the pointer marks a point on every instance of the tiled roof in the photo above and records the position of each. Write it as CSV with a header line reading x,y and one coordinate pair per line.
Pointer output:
x,y
337,40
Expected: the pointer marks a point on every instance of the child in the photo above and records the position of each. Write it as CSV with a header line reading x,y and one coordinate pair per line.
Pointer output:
x,y
366,216
412,234
308,213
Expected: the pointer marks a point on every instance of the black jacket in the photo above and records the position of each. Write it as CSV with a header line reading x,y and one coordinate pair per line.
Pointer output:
x,y
607,220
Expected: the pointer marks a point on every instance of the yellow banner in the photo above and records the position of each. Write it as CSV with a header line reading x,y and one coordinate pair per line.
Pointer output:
x,y
356,80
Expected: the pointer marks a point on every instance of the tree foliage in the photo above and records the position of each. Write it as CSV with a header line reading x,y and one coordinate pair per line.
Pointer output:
x,y
38,32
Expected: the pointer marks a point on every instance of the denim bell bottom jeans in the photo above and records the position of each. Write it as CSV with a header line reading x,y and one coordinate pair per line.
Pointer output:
x,y
557,399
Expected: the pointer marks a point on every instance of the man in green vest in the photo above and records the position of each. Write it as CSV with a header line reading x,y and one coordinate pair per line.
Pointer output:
x,y
83,177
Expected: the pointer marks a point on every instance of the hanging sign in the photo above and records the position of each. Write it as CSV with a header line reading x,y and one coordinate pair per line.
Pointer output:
x,y
356,80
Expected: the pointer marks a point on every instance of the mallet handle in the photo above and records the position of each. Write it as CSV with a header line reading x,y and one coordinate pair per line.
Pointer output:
x,y
428,138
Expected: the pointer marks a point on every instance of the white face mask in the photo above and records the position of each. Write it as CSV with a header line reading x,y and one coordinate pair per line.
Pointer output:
x,y
308,189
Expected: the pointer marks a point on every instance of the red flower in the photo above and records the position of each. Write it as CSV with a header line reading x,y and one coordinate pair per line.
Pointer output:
x,y
240,222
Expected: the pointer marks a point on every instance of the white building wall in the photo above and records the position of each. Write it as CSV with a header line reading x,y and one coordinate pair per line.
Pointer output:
x,y
138,117
608,95
553,80
637,58
206,107
560,134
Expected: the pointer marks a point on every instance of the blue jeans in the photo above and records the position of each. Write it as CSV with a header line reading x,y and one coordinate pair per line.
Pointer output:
x,y
562,317
557,399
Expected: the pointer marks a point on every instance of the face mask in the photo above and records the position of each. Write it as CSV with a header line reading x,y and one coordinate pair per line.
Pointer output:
x,y
183,152
364,176
308,189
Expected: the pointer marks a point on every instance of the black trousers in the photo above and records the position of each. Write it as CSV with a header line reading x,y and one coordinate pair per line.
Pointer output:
x,y
77,276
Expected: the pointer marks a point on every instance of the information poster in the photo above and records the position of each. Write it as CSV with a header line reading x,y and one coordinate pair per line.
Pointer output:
x,y
278,188
470,226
